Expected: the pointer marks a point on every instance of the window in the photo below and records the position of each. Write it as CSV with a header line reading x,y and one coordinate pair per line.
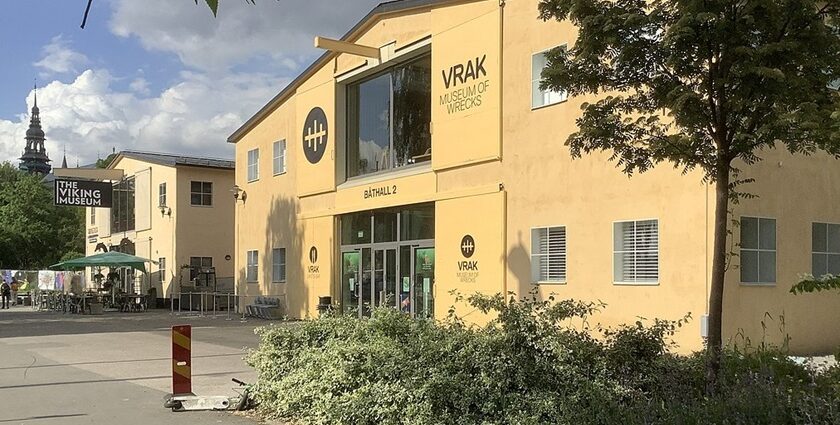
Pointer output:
x,y
548,255
122,210
92,216
758,250
253,165
201,193
252,268
162,269
279,157
636,251
541,97
278,265
162,194
199,263
388,118
825,255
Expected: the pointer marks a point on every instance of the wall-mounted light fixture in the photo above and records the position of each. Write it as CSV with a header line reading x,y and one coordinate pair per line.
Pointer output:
x,y
239,194
165,211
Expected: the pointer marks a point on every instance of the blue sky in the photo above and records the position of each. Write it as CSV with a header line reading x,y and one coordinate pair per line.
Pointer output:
x,y
159,75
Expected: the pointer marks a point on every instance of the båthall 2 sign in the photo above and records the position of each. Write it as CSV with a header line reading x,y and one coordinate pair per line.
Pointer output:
x,y
74,193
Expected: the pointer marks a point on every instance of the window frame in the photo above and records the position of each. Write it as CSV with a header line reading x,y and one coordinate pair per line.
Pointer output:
x,y
255,265
565,255
274,265
758,250
658,253
563,95
92,216
825,253
162,269
202,193
255,165
162,194
366,74
274,157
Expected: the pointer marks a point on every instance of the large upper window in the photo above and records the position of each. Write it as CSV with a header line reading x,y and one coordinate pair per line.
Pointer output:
x,y
388,118
122,211
825,251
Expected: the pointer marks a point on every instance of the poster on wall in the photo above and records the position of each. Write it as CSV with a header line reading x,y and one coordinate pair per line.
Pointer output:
x,y
46,280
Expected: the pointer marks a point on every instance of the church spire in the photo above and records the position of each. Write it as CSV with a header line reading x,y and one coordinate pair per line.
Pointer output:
x,y
34,159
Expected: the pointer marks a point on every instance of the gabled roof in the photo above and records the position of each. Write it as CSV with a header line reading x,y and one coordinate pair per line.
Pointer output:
x,y
173,160
382,9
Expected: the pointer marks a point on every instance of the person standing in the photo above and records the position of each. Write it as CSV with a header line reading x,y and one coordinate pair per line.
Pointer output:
x,y
5,291
14,286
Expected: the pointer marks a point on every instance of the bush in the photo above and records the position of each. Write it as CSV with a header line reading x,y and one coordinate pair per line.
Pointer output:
x,y
537,362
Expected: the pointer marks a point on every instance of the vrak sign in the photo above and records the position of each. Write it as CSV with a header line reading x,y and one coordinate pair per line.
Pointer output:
x,y
465,84
73,193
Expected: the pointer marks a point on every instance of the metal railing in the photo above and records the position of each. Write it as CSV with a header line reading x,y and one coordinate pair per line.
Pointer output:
x,y
208,304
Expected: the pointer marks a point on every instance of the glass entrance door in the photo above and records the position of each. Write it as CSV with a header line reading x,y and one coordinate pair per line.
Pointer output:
x,y
422,296
350,280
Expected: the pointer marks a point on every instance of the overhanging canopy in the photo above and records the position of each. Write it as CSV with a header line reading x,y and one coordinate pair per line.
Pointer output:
x,y
105,259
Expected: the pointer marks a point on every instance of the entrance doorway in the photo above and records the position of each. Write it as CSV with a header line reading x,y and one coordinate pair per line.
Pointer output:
x,y
396,273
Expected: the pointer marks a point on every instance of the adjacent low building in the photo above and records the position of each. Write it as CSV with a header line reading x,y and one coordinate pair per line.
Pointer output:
x,y
173,209
419,158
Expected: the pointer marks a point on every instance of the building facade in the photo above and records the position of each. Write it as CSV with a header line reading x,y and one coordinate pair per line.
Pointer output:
x,y
429,162
174,210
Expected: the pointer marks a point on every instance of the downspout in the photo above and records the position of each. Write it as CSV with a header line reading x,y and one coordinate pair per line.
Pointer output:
x,y
505,226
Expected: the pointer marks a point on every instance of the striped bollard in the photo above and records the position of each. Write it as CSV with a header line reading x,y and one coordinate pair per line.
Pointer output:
x,y
181,360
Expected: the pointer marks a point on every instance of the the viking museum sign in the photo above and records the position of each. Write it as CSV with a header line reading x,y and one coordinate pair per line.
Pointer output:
x,y
75,193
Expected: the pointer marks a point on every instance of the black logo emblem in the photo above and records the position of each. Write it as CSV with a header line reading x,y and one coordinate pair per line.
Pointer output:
x,y
313,255
467,246
315,135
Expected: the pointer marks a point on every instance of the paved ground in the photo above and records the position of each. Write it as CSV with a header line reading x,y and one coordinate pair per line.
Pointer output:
x,y
113,369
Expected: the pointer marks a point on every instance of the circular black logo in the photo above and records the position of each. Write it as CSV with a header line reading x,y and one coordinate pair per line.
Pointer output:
x,y
313,255
315,133
467,246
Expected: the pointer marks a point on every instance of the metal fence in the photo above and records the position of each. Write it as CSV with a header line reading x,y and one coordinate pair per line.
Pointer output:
x,y
210,304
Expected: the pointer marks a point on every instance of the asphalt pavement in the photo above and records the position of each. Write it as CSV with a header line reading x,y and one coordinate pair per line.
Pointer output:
x,y
116,368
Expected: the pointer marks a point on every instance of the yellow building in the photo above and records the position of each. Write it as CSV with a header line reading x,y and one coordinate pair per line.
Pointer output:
x,y
175,210
423,159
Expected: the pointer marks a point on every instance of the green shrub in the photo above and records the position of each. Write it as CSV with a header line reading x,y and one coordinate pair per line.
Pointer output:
x,y
537,362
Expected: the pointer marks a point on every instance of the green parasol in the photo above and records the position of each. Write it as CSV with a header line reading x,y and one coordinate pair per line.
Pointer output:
x,y
106,259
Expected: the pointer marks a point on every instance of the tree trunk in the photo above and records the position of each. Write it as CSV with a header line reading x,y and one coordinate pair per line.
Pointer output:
x,y
715,338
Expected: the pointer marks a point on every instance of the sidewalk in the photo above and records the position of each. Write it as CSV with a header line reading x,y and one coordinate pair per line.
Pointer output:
x,y
71,369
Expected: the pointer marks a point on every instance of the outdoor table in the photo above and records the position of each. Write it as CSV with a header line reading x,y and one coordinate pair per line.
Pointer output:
x,y
131,300
85,302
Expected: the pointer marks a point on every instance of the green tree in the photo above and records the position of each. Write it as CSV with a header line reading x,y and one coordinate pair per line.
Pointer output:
x,y
703,85
34,233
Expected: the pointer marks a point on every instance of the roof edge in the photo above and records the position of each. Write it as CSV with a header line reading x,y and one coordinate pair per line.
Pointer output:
x,y
381,9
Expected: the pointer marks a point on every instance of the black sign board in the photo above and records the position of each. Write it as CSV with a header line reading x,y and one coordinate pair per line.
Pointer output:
x,y
76,193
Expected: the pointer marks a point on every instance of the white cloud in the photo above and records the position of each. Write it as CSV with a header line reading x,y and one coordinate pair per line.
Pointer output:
x,y
89,117
59,58
140,86
279,32
239,61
